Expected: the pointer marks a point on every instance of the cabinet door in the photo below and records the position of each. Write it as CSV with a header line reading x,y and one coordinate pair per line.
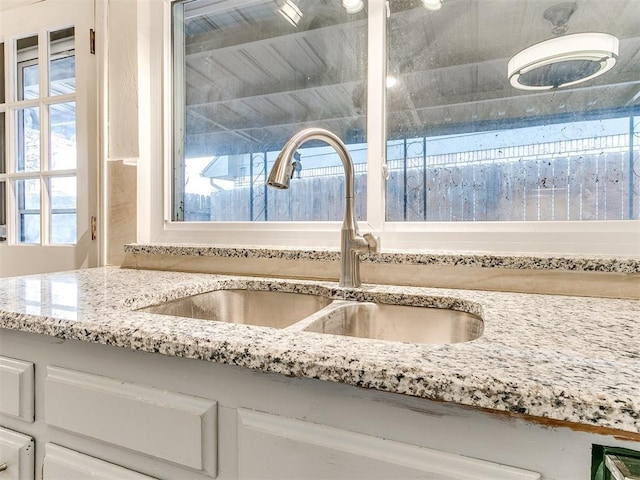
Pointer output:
x,y
169,426
16,389
271,446
64,464
16,456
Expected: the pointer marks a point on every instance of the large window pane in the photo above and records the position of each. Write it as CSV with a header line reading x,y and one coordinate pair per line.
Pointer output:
x,y
63,194
28,145
28,215
28,80
465,145
245,80
62,65
63,136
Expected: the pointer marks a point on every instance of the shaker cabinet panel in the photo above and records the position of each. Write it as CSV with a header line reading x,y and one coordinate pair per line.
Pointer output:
x,y
305,449
170,426
64,464
16,456
16,389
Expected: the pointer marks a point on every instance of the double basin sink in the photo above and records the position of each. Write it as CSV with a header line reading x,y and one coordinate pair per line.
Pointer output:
x,y
320,314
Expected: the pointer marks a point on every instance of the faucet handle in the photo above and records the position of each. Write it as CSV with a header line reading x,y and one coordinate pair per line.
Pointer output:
x,y
373,242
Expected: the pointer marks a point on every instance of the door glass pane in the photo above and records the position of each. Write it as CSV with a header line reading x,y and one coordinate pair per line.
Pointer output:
x,y
3,212
28,218
28,148
2,99
248,75
62,62
468,143
3,144
63,136
28,80
63,209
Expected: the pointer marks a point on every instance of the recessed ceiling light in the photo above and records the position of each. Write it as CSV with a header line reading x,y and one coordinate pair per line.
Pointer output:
x,y
563,61
432,4
353,6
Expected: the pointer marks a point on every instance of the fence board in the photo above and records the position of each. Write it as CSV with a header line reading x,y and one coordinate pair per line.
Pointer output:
x,y
589,194
468,194
545,190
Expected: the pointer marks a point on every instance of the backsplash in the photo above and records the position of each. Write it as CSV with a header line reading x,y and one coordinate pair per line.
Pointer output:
x,y
598,276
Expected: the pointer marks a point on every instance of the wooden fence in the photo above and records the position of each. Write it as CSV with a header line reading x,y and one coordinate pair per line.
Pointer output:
x,y
533,185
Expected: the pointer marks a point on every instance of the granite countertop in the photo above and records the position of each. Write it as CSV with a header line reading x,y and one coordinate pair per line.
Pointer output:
x,y
573,359
573,263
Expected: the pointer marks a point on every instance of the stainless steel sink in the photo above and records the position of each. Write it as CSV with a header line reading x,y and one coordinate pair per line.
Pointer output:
x,y
398,323
250,307
315,313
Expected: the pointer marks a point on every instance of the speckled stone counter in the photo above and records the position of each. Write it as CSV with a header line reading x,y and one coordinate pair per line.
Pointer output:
x,y
573,263
570,359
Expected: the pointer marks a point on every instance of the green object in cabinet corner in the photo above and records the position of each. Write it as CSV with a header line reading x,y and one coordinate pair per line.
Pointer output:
x,y
629,459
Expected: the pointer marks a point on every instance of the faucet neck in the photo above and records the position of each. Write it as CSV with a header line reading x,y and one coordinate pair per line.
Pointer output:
x,y
351,241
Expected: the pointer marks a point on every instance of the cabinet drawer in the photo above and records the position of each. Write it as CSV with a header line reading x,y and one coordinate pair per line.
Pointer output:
x,y
17,454
16,389
170,426
64,464
331,452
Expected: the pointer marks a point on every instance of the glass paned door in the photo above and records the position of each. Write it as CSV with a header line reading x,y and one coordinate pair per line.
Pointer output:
x,y
48,127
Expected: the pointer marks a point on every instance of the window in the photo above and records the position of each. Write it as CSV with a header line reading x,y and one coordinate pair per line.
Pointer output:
x,y
48,137
247,77
464,153
465,145
43,188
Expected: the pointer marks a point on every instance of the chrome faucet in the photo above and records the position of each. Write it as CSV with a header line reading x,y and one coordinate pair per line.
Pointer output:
x,y
352,242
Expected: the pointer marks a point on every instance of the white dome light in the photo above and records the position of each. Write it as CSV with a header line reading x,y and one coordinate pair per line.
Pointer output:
x,y
563,61
353,6
432,4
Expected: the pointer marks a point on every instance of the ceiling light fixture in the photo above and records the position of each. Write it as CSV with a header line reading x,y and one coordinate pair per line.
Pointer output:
x,y
432,4
353,6
563,61
290,11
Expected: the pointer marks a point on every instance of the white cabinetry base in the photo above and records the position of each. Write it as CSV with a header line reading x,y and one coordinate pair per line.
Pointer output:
x,y
271,446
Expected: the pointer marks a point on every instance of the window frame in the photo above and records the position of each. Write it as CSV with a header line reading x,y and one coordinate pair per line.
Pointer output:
x,y
14,137
619,238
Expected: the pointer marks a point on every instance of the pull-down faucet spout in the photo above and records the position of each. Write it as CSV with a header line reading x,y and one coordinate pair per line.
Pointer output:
x,y
352,242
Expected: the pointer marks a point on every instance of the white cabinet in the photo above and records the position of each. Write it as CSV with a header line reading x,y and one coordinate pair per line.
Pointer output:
x,y
17,454
16,389
271,446
170,426
64,464
132,415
